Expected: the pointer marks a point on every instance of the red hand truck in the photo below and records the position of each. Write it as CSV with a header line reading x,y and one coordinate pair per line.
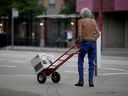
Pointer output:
x,y
51,69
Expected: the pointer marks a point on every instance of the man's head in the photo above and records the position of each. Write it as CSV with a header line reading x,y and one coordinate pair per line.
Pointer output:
x,y
85,12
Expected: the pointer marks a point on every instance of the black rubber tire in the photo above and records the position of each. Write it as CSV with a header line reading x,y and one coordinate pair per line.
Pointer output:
x,y
55,77
41,78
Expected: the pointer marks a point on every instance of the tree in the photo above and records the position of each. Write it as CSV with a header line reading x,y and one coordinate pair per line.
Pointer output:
x,y
70,7
4,7
25,7
28,9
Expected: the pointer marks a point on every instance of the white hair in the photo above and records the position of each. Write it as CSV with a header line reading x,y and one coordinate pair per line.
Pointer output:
x,y
85,12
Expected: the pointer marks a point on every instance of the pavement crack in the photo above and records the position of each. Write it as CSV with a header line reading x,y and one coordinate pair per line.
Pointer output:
x,y
53,90
57,90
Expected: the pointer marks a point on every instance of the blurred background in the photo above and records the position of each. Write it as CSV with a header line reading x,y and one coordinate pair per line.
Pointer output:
x,y
43,23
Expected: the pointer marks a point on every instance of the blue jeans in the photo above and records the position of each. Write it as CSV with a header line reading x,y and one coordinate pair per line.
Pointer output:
x,y
86,47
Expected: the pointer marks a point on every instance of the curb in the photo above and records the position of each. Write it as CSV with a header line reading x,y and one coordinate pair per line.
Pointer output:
x,y
106,52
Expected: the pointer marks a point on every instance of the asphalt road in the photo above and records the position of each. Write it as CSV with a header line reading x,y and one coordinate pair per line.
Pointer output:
x,y
17,77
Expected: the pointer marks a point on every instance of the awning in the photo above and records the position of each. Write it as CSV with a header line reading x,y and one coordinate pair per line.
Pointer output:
x,y
58,16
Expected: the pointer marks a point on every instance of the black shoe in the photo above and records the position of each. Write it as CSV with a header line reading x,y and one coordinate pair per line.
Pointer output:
x,y
79,84
91,84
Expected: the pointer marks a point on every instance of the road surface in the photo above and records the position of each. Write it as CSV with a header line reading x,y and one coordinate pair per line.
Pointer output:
x,y
17,77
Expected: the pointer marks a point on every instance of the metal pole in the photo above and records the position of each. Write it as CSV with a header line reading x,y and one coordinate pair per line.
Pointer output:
x,y
12,29
101,15
98,43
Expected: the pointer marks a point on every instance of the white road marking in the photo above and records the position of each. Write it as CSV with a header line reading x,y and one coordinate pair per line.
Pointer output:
x,y
125,72
8,66
70,71
75,72
112,69
107,74
16,61
18,75
71,65
123,63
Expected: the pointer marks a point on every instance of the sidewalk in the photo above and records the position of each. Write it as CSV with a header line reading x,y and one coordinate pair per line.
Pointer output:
x,y
29,48
105,52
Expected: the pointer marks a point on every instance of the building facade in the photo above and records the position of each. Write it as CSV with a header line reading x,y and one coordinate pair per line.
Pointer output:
x,y
114,20
54,26
36,31
54,29
49,29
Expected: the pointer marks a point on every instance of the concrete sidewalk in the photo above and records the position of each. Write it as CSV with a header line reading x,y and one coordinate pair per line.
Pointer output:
x,y
107,51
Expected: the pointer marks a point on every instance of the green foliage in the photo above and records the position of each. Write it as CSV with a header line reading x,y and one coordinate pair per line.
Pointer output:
x,y
25,7
4,7
70,7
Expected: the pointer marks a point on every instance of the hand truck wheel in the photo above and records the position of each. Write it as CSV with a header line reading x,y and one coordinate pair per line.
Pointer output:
x,y
55,77
41,78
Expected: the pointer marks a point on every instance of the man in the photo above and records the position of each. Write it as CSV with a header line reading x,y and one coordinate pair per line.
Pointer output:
x,y
69,37
88,33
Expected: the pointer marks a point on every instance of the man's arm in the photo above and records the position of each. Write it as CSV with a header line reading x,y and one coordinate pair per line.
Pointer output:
x,y
79,30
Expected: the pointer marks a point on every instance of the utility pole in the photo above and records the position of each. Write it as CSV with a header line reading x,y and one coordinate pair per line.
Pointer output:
x,y
99,40
14,14
101,15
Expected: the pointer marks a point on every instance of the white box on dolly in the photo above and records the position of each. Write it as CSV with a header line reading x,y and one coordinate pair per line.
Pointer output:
x,y
41,61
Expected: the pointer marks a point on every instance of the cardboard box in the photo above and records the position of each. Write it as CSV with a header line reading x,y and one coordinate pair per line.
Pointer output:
x,y
41,61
